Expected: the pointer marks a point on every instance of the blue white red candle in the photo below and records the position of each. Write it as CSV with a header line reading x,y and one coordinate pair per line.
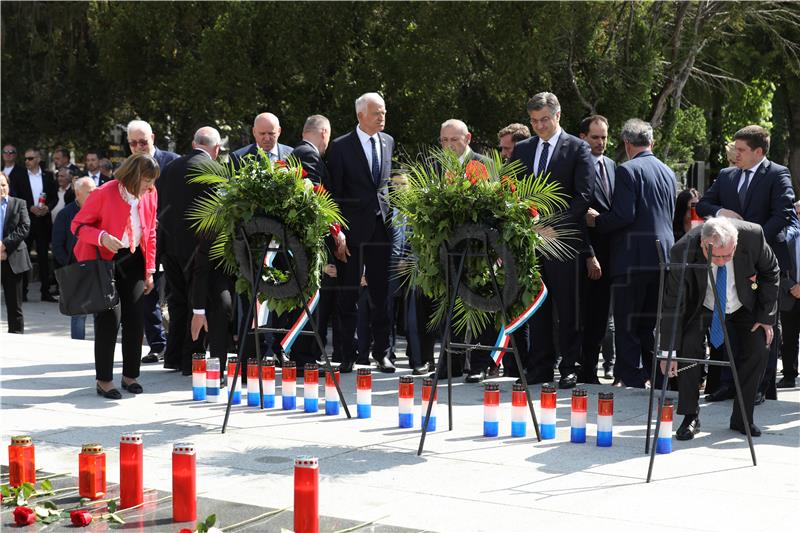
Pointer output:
x,y
491,409
234,391
578,416
289,386
605,416
519,411
428,395
253,394
547,402
212,380
311,388
199,376
364,392
268,380
405,402
331,394
664,440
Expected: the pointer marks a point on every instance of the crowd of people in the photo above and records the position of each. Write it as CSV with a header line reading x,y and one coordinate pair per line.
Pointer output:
x,y
628,215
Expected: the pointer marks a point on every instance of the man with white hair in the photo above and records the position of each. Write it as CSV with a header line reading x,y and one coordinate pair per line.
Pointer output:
x,y
359,166
455,136
266,132
745,273
141,140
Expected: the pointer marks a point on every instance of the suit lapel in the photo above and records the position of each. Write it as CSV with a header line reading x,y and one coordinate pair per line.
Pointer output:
x,y
361,156
754,181
7,218
386,158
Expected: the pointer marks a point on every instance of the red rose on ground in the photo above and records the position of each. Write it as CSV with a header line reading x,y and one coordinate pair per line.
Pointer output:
x,y
80,518
24,516
476,171
186,530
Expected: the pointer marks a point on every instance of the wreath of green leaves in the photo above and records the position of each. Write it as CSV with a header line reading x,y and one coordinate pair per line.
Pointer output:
x,y
262,188
443,194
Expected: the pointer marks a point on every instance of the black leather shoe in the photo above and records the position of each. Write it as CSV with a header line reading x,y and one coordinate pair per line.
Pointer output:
x,y
567,382
755,431
385,365
760,398
346,367
688,428
786,383
588,379
536,379
475,378
723,393
153,357
421,370
133,388
111,394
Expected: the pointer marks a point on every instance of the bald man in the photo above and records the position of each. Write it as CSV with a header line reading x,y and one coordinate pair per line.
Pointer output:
x,y
266,132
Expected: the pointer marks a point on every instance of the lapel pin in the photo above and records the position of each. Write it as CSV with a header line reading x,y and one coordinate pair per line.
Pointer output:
x,y
753,284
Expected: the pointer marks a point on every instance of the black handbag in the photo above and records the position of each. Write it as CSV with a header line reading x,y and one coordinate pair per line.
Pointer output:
x,y
86,287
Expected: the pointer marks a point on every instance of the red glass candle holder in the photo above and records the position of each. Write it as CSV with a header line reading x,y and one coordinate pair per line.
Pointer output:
x,y
92,472
306,495
131,470
21,461
184,483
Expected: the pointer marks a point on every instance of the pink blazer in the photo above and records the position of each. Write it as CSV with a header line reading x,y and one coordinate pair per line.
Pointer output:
x,y
106,210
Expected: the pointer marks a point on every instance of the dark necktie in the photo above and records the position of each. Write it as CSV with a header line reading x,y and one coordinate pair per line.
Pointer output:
x,y
604,180
743,188
717,335
543,159
376,168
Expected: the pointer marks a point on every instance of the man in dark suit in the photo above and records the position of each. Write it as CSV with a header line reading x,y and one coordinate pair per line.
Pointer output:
x,y
509,136
91,163
760,191
141,140
749,296
14,260
266,132
596,294
11,166
562,158
789,308
61,159
38,188
180,250
359,166
641,213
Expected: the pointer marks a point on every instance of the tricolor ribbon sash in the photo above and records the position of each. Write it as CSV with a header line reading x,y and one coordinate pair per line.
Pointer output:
x,y
262,310
299,324
505,332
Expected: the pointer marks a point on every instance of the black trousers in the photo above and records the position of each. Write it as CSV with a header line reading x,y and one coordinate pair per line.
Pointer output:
x,y
749,353
372,255
325,315
12,290
177,274
153,321
39,239
419,339
595,306
790,321
129,278
635,308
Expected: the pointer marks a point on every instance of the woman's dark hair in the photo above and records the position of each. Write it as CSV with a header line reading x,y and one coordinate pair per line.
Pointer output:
x,y
681,207
133,169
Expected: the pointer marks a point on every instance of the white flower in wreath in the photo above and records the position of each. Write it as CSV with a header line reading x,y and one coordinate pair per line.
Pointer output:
x,y
308,184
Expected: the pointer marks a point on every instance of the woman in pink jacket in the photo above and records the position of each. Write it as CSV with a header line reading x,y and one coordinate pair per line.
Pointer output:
x,y
119,220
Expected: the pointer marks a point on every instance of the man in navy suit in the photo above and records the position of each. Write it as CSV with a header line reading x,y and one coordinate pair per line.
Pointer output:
x,y
641,213
359,166
760,191
266,132
596,298
562,158
142,140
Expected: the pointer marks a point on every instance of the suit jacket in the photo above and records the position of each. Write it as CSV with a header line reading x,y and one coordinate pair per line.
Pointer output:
x,y
312,162
753,257
252,149
22,188
642,211
571,166
599,244
64,240
17,173
350,183
163,157
106,210
16,226
769,202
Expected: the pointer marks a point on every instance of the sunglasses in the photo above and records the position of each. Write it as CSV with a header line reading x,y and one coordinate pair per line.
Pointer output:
x,y
30,158
142,142
9,152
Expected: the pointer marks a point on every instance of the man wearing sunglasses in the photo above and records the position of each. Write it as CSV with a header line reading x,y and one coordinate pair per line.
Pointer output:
x,y
11,167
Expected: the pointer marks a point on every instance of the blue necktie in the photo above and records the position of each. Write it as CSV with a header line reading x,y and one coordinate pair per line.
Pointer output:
x,y
717,335
543,159
376,169
743,188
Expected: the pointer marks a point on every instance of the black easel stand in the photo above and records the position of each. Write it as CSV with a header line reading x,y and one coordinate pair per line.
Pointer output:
x,y
683,266
447,344
256,282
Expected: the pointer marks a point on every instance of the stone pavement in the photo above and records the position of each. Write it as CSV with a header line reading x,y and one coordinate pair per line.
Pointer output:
x,y
370,471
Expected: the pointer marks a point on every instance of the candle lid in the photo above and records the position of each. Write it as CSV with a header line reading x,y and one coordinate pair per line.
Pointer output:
x,y
406,379
518,387
233,359
131,438
183,448
606,395
364,372
578,392
548,388
306,461
668,402
289,364
198,356
268,362
92,448
21,440
312,366
427,382
252,361
491,387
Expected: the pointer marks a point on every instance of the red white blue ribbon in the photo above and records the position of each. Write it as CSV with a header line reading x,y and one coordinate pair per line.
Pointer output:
x,y
504,336
262,310
299,324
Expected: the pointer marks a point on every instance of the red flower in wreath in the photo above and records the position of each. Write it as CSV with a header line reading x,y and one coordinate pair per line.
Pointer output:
x,y
533,211
280,163
24,516
319,189
508,181
303,172
80,518
476,171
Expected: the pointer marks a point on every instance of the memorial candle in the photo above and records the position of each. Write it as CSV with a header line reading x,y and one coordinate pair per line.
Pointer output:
x,y
405,402
234,391
212,380
311,388
289,386
578,416
491,409
547,401
605,416
92,472
519,411
21,461
198,376
131,470
331,395
364,392
184,482
268,377
664,441
306,495
428,396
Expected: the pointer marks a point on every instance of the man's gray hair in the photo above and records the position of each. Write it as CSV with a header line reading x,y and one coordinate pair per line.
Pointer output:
x,y
541,100
207,136
316,123
457,124
80,183
720,232
637,132
139,125
366,98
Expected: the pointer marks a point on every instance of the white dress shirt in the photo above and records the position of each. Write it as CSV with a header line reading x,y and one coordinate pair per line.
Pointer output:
x,y
37,186
60,205
752,174
552,142
366,145
732,302
136,223
7,170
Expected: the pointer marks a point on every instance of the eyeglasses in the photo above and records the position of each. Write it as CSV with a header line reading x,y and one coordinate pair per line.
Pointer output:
x,y
9,152
30,158
141,142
